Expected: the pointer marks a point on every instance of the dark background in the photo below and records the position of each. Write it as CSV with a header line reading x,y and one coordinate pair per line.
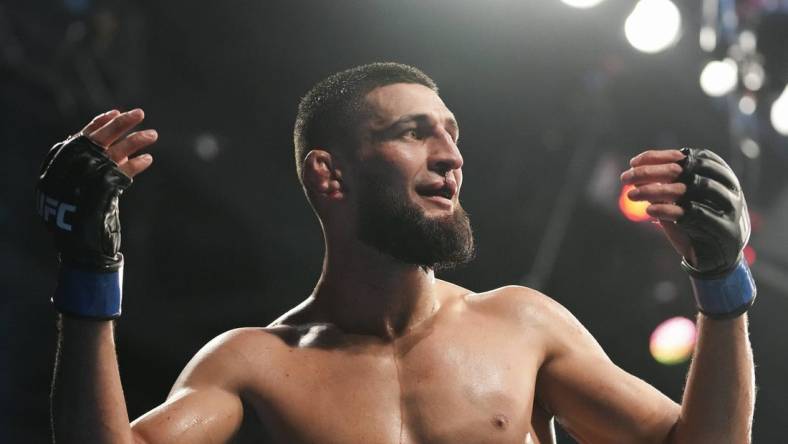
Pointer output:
x,y
552,102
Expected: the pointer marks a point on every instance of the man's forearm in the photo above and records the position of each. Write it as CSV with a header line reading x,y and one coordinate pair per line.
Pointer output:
x,y
720,393
87,397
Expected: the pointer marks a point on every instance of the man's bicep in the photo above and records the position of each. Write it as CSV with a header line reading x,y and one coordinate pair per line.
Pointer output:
x,y
205,415
594,399
204,404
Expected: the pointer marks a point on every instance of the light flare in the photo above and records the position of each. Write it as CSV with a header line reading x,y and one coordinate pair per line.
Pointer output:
x,y
673,341
653,25
632,210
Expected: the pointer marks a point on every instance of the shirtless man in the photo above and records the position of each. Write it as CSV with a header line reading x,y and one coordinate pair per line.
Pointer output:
x,y
382,351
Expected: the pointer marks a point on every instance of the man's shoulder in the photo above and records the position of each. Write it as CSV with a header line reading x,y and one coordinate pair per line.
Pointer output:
x,y
227,358
246,341
519,304
506,298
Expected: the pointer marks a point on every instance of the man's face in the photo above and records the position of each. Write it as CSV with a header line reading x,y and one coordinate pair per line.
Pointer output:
x,y
409,177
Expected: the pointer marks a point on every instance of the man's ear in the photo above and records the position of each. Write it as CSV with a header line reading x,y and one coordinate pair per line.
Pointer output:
x,y
321,175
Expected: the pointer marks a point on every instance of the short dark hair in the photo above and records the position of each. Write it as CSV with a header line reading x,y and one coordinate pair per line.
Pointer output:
x,y
329,112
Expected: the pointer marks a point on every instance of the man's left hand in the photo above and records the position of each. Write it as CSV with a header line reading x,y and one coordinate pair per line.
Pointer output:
x,y
655,174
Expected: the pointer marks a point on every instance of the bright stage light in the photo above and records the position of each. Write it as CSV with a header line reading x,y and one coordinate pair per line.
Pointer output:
x,y
582,4
633,210
747,105
779,113
752,76
707,38
748,42
673,340
750,148
719,78
653,25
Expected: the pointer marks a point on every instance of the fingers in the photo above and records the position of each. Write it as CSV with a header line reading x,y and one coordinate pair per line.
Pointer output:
x,y
708,154
99,121
121,150
716,170
654,174
136,165
656,157
667,199
658,192
665,211
111,131
108,129
710,192
639,175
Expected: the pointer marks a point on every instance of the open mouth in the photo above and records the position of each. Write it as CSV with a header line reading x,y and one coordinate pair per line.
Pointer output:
x,y
441,193
444,192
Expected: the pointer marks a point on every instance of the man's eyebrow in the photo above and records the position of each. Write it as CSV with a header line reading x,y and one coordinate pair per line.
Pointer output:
x,y
450,121
390,130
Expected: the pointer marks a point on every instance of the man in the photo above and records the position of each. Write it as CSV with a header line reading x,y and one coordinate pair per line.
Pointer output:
x,y
382,351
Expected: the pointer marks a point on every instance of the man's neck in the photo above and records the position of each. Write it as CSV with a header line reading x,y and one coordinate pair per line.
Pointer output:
x,y
363,291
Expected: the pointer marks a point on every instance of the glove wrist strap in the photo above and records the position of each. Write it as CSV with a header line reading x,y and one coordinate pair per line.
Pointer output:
x,y
89,294
724,297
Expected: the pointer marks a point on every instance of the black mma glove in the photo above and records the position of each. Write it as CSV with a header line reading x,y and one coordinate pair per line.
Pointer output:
x,y
77,198
718,225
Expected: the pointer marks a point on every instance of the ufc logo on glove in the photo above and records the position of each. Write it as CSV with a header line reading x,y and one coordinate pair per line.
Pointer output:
x,y
48,206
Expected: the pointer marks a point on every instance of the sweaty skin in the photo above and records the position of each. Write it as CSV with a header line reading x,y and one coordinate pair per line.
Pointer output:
x,y
382,352
465,375
468,374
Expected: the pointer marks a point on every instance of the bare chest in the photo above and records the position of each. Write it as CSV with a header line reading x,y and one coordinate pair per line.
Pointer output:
x,y
463,387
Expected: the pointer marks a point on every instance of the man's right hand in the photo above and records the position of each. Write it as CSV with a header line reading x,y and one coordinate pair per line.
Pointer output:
x,y
81,181
87,396
109,131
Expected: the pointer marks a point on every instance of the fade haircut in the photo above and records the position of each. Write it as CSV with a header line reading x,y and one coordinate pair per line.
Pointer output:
x,y
330,112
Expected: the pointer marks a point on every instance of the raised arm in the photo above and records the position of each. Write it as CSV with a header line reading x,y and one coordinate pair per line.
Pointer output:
x,y
591,397
81,181
698,200
700,204
77,194
720,394
204,405
87,397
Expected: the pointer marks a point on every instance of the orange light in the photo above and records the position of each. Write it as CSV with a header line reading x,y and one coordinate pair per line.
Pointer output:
x,y
634,211
750,255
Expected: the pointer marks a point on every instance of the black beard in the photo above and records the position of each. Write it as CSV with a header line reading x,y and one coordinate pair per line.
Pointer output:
x,y
399,228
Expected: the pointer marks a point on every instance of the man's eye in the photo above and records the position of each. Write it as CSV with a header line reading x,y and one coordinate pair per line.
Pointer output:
x,y
412,133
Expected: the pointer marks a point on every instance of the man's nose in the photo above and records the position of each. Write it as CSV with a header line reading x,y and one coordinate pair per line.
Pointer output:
x,y
445,155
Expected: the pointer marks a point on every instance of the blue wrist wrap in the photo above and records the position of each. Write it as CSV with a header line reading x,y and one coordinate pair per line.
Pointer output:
x,y
728,296
86,294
